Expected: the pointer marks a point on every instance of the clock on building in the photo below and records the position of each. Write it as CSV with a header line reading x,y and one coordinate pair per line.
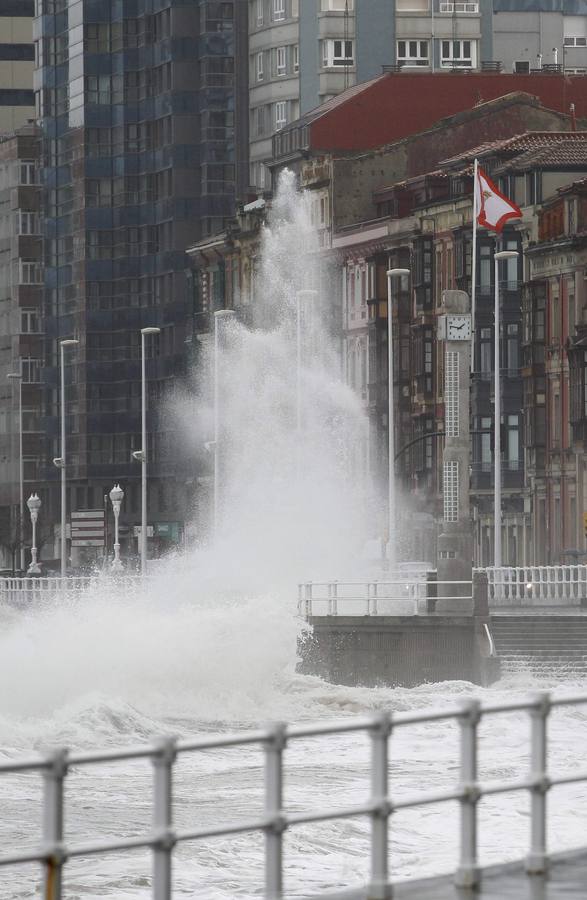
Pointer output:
x,y
458,328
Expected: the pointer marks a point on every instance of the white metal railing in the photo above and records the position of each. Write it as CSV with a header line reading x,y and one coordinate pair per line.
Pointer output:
x,y
276,819
38,588
537,585
373,598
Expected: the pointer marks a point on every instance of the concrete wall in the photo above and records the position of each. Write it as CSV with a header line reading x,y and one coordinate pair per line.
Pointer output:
x,y
395,650
309,49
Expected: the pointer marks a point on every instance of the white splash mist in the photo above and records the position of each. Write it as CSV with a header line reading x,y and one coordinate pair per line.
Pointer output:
x,y
214,634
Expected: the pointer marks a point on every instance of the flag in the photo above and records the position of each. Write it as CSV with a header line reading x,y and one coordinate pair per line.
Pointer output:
x,y
493,209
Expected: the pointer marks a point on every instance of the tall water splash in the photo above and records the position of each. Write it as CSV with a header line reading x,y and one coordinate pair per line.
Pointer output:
x,y
214,633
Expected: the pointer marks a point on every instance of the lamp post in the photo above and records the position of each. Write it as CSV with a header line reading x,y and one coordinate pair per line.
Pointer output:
x,y
116,497
60,461
141,455
34,505
221,315
391,501
500,255
17,377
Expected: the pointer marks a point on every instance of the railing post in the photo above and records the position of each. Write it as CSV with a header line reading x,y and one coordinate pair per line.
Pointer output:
x,y
53,778
335,598
467,875
379,886
329,598
162,818
276,824
308,599
537,860
368,598
375,596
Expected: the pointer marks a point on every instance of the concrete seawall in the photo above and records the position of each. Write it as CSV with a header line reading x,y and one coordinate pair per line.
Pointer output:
x,y
398,650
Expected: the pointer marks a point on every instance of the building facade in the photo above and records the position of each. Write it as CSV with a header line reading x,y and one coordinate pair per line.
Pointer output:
x,y
17,61
21,326
137,106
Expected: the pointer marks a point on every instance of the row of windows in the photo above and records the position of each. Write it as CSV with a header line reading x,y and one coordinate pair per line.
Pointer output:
x,y
273,117
414,53
282,61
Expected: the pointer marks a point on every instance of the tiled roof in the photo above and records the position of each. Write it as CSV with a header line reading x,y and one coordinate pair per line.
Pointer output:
x,y
565,153
529,141
331,104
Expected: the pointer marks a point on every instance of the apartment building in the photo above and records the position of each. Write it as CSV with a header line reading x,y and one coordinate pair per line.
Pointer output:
x,y
17,60
21,340
136,107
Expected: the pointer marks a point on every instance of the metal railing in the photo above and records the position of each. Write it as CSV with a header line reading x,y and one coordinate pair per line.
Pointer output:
x,y
408,596
537,586
38,588
379,806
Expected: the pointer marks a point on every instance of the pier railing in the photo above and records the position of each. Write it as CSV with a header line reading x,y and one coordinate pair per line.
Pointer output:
x,y
41,588
379,806
379,598
537,585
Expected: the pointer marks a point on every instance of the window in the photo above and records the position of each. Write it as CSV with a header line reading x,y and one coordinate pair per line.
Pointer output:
x,y
259,67
296,57
485,268
522,67
278,10
459,7
513,442
337,53
29,321
555,315
28,223
259,12
412,6
280,114
336,5
413,53
485,353
31,370
575,41
486,455
30,272
27,173
512,350
280,61
458,54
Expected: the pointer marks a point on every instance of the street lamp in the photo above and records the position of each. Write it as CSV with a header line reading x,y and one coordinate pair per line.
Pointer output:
x,y
17,376
224,315
391,501
60,461
502,254
141,455
116,497
34,505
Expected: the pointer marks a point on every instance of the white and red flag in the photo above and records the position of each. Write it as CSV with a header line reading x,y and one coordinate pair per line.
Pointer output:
x,y
493,209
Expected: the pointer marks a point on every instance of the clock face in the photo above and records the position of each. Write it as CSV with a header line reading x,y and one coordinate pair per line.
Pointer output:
x,y
458,328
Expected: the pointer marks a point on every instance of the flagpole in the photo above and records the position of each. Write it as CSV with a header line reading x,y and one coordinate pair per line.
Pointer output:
x,y
474,264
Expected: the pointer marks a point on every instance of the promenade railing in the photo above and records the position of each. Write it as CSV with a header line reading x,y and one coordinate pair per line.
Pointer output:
x,y
378,806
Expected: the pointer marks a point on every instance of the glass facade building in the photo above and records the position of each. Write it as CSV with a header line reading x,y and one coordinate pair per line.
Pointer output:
x,y
136,108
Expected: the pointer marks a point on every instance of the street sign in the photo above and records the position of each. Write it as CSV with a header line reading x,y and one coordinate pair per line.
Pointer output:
x,y
137,530
87,528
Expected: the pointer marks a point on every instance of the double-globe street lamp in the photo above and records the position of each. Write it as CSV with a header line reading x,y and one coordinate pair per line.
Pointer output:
x,y
392,274
34,505
60,461
497,511
16,377
116,498
141,455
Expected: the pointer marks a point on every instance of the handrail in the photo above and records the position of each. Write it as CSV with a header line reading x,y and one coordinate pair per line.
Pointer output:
x,y
276,819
